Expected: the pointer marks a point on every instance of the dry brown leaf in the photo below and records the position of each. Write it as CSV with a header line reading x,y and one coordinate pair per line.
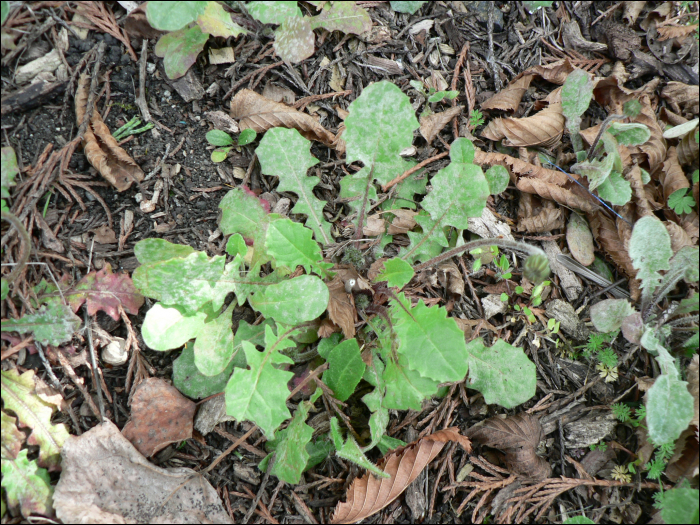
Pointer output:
x,y
684,463
542,129
509,98
160,415
556,72
555,193
375,268
631,11
679,238
606,234
682,98
403,221
687,149
368,495
278,93
431,125
546,219
520,168
673,178
255,112
375,226
341,307
691,226
679,32
572,38
450,278
634,176
101,148
518,436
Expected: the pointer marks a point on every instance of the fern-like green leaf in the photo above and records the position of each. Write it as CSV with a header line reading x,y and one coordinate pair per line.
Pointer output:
x,y
284,153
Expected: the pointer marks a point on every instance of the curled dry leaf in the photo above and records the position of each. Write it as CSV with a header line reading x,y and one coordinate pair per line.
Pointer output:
x,y
572,38
673,178
518,436
687,149
634,176
555,193
403,221
160,415
106,480
450,278
509,98
341,305
684,463
431,125
520,168
101,148
368,495
679,237
682,98
547,219
255,112
375,226
542,129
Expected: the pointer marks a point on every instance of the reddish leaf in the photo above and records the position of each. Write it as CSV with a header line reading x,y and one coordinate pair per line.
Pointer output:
x,y
160,415
518,436
368,495
104,291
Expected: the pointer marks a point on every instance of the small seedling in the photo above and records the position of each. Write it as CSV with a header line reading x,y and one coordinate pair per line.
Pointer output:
x,y
130,129
620,473
216,137
622,412
553,326
476,119
681,203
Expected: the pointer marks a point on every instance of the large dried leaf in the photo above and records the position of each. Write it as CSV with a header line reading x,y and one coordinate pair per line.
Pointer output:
x,y
682,96
674,178
106,480
542,129
555,193
520,168
160,415
509,98
431,125
368,495
693,387
547,219
101,148
679,237
341,306
518,436
260,114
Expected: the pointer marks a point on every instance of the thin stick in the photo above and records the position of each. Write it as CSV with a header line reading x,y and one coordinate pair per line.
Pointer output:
x,y
414,169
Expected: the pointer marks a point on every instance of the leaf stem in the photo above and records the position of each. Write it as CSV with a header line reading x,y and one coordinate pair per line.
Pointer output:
x,y
501,243
414,169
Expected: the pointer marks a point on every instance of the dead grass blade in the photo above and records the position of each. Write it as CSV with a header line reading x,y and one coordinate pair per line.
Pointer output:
x,y
260,114
518,436
101,148
368,495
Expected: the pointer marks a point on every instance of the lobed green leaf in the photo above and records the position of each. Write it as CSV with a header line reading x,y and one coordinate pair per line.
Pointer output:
x,y
273,12
217,22
396,272
292,301
290,245
53,324
167,328
347,17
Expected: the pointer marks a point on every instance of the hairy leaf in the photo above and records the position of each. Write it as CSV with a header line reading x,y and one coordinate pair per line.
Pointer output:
x,y
187,282
396,272
190,381
680,505
53,324
629,134
607,315
669,409
460,190
428,243
179,49
290,245
243,212
347,17
576,94
213,348
351,451
167,328
27,486
649,232
345,369
503,373
291,447
402,6
260,393
294,301
294,39
432,342
615,189
379,126
19,395
149,251
8,162
273,12
285,153
217,22
171,16
497,178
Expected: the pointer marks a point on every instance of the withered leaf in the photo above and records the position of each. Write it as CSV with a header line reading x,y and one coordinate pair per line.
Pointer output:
x,y
518,436
260,114
674,178
403,221
547,219
509,98
101,148
545,128
160,415
341,306
555,193
368,495
451,278
431,125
